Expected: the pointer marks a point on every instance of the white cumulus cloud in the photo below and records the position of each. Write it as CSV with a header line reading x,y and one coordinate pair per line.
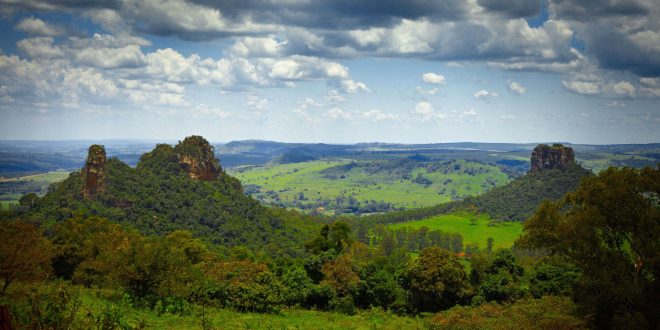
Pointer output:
x,y
516,88
433,78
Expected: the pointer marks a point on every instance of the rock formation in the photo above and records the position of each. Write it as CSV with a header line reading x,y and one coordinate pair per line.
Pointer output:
x,y
196,157
545,157
94,174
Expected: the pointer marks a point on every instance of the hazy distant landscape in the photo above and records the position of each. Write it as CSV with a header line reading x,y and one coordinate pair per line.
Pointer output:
x,y
389,176
330,164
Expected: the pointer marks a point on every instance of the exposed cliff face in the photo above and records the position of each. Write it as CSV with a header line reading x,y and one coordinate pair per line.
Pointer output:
x,y
94,174
196,156
545,157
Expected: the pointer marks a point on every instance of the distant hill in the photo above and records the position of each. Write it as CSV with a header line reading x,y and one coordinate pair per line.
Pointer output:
x,y
517,200
554,174
19,158
172,188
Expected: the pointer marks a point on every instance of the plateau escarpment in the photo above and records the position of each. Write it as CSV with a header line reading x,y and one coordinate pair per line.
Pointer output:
x,y
557,156
553,173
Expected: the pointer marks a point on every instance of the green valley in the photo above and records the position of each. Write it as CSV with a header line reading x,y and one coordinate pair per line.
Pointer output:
x,y
338,185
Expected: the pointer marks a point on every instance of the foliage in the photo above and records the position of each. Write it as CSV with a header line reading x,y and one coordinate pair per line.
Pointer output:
x,y
335,238
245,286
52,307
517,200
553,277
341,275
549,313
87,250
435,280
24,253
159,197
610,229
500,280
157,268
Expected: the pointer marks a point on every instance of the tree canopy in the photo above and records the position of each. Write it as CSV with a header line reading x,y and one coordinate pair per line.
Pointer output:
x,y
610,228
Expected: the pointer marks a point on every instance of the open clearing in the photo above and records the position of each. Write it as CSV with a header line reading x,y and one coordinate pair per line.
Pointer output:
x,y
473,228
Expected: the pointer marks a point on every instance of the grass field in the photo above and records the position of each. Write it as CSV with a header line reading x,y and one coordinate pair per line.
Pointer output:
x,y
11,189
503,233
55,176
325,180
5,205
597,162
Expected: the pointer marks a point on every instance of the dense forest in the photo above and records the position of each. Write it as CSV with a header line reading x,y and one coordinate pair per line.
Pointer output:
x,y
177,236
158,197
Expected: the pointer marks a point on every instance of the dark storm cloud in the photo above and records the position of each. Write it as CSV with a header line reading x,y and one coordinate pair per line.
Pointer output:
x,y
620,35
614,50
513,8
338,14
60,4
584,9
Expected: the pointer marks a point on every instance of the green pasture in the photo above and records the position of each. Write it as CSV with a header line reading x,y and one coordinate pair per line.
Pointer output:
x,y
473,228
283,183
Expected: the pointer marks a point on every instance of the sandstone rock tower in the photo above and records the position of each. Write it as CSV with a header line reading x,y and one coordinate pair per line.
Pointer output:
x,y
196,157
545,157
94,174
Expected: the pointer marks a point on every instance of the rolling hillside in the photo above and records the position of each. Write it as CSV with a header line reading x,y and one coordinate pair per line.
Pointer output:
x,y
348,186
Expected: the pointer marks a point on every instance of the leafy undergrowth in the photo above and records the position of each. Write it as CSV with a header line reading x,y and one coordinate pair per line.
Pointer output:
x,y
61,305
549,312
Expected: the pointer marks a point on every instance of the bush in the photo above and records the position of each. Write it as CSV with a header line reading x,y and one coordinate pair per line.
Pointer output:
x,y
344,305
53,307
549,312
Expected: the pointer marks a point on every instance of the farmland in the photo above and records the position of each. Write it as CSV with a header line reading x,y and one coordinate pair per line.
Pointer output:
x,y
11,189
475,229
349,186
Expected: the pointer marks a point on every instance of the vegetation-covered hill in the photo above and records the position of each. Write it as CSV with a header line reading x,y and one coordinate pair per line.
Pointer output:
x,y
514,201
173,188
517,200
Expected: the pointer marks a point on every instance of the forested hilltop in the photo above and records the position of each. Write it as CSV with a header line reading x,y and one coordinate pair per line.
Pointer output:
x,y
553,174
171,188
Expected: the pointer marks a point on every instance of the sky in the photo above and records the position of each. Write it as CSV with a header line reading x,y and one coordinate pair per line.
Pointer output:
x,y
333,71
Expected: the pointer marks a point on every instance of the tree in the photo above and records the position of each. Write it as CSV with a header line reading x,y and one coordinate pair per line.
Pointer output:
x,y
341,275
24,253
500,279
388,243
29,200
610,229
87,250
436,280
336,237
489,244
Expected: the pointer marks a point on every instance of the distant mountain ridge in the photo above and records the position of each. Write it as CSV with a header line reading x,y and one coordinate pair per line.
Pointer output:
x,y
30,157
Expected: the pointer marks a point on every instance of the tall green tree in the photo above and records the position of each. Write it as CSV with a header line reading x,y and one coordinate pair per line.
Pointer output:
x,y
610,228
436,280
24,253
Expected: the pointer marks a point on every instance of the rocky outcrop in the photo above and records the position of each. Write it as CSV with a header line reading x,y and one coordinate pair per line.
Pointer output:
x,y
94,174
545,157
196,156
